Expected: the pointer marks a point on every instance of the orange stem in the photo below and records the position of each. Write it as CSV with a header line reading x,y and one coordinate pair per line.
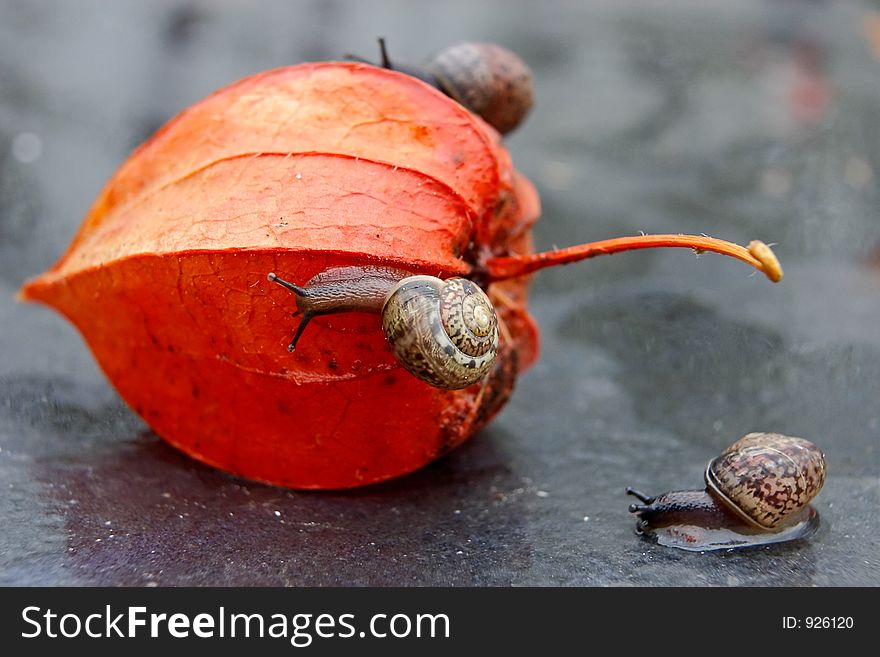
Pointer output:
x,y
758,255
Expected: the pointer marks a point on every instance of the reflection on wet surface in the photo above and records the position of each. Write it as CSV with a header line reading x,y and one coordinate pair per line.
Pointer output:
x,y
132,510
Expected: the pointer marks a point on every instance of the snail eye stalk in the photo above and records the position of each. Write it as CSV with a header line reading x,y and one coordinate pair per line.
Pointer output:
x,y
306,315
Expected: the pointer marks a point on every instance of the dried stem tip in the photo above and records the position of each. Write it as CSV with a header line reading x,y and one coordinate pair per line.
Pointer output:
x,y
770,263
758,255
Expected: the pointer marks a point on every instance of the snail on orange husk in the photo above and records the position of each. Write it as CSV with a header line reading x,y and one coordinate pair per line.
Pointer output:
x,y
345,181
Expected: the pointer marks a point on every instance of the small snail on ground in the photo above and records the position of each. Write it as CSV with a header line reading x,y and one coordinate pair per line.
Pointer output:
x,y
490,81
758,491
442,332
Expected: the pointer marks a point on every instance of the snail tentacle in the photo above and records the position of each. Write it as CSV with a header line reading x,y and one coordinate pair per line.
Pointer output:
x,y
645,499
305,316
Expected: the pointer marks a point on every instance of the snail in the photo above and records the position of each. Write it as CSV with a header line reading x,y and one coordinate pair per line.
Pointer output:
x,y
758,491
442,332
489,80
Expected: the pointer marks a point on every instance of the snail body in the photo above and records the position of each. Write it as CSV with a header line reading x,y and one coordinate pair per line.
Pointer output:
x,y
442,332
758,491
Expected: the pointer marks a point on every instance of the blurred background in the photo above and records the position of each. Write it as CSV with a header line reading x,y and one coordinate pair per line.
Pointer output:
x,y
747,120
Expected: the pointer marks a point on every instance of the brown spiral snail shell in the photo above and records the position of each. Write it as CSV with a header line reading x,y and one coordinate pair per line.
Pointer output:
x,y
489,80
444,332
758,491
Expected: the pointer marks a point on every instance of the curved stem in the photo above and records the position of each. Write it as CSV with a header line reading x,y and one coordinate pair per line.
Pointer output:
x,y
758,255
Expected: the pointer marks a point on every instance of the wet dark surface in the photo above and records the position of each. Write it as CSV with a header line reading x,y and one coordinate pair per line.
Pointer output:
x,y
757,120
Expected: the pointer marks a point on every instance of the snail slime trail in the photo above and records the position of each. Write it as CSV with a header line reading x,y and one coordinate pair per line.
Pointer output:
x,y
758,491
405,243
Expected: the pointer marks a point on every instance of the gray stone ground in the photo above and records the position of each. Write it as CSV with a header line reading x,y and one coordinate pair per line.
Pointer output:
x,y
741,120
